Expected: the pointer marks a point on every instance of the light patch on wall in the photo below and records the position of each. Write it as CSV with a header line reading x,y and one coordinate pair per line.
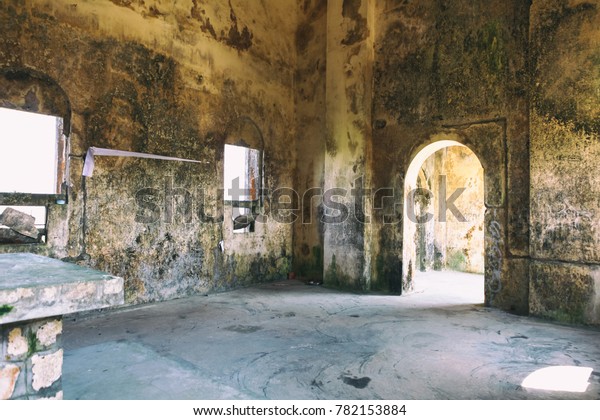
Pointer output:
x,y
29,145
559,378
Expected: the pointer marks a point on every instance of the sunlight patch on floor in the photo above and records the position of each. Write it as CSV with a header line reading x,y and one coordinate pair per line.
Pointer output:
x,y
559,378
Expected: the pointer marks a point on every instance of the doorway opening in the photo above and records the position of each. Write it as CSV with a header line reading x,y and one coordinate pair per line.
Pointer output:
x,y
444,211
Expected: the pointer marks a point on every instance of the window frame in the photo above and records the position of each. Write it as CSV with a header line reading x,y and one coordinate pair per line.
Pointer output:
x,y
59,197
255,206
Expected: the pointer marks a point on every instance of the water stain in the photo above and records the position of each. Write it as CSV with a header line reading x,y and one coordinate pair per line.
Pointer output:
x,y
244,329
359,383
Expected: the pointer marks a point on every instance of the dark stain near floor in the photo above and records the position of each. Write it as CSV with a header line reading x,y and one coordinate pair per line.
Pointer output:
x,y
244,329
359,383
316,384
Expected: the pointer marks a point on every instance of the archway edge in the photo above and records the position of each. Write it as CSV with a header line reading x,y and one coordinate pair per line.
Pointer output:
x,y
486,141
417,160
20,87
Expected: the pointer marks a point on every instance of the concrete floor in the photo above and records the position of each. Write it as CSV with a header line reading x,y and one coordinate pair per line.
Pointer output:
x,y
289,340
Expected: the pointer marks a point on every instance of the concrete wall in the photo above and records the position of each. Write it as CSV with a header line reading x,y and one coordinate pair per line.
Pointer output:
x,y
170,79
565,150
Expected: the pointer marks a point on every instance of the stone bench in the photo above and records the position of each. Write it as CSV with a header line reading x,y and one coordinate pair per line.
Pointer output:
x,y
35,293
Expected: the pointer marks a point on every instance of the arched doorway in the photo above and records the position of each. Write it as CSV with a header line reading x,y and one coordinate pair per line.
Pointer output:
x,y
443,226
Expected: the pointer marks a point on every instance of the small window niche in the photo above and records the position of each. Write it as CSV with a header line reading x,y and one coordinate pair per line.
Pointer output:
x,y
243,185
32,174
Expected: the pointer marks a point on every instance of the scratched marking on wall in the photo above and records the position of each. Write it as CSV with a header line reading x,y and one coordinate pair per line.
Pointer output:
x,y
562,224
494,257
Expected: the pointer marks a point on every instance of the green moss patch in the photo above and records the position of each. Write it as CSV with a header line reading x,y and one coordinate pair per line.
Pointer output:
x,y
5,309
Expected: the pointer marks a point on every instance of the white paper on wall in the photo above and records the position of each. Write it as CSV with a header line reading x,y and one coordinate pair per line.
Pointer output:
x,y
88,167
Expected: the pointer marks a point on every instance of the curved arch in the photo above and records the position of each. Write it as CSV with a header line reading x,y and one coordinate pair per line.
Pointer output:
x,y
419,159
410,229
243,131
29,90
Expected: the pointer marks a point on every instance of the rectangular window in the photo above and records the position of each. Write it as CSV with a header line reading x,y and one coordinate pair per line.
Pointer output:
x,y
242,184
32,172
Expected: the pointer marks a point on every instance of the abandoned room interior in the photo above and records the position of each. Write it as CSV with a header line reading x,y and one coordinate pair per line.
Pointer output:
x,y
258,195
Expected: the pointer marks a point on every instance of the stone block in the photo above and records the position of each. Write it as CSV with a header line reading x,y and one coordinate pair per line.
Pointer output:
x,y
21,389
514,293
49,295
18,346
113,287
19,222
565,292
48,333
46,370
9,373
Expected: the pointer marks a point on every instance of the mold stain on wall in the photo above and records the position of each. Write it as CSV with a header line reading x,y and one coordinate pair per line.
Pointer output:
x,y
133,87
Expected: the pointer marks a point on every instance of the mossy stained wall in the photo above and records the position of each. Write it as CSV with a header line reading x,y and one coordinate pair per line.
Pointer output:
x,y
166,78
565,150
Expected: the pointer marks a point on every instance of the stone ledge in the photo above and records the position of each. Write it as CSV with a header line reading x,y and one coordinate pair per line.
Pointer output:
x,y
33,287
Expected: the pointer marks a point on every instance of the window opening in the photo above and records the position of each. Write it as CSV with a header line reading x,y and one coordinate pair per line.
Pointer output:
x,y
242,184
32,170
